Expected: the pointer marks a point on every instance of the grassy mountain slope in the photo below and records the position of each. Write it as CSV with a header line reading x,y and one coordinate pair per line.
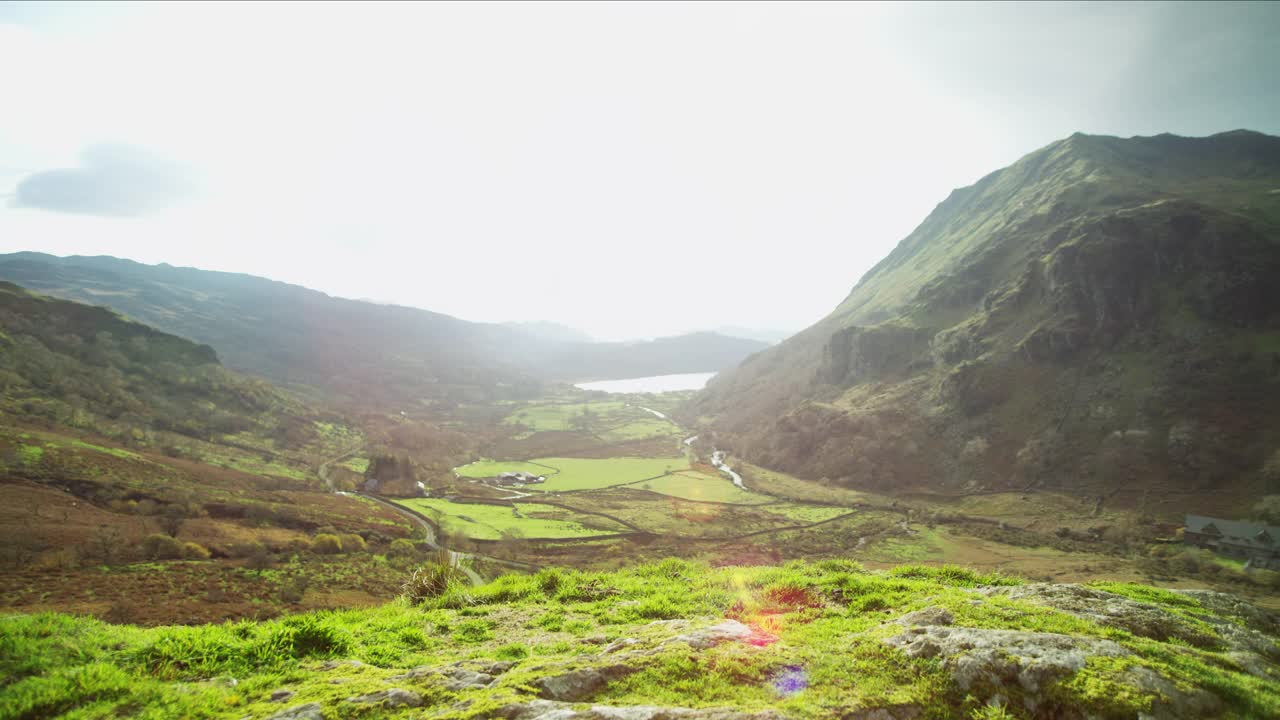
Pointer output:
x,y
121,445
385,354
1100,315
83,366
802,641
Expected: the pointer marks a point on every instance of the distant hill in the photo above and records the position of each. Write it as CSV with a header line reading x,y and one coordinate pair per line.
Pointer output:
x,y
1103,315
366,353
765,335
554,332
695,352
86,367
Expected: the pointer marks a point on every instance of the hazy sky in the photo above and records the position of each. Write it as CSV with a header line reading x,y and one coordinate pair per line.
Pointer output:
x,y
628,169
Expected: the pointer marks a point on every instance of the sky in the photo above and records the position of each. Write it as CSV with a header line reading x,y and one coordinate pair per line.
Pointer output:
x,y
628,169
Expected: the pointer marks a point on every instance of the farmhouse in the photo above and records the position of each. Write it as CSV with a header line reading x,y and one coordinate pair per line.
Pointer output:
x,y
1252,540
512,478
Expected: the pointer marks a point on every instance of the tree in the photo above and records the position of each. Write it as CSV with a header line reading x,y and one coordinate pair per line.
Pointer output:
x,y
171,519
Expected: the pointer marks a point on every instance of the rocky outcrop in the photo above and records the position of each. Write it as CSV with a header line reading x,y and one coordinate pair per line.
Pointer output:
x,y
1133,274
390,698
860,354
310,711
1014,666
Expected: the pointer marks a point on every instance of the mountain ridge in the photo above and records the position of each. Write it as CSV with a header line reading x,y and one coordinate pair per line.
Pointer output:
x,y
1072,264
300,337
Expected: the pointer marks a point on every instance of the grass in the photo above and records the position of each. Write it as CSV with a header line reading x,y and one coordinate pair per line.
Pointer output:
x,y
559,416
596,473
807,513
30,454
829,619
491,522
494,468
356,464
693,485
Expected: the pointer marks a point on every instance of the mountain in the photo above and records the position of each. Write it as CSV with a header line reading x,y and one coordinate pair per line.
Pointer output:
x,y
765,335
1101,316
695,352
83,366
550,331
367,353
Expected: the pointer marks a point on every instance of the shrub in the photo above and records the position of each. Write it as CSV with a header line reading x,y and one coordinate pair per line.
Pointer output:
x,y
352,543
434,579
194,551
245,549
326,544
402,548
473,631
161,547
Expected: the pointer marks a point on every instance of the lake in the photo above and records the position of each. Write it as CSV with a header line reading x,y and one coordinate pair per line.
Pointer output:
x,y
651,384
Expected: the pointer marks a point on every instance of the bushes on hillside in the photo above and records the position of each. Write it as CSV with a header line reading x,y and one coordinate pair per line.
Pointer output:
x,y
326,544
194,551
402,547
161,547
352,543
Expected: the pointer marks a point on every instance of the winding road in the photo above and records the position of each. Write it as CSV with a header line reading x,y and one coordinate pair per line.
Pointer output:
x,y
455,557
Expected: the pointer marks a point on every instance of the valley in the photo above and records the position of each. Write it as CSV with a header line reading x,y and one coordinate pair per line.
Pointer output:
x,y
1000,404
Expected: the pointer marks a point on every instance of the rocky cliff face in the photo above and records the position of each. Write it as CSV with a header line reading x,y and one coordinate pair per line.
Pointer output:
x,y
1102,314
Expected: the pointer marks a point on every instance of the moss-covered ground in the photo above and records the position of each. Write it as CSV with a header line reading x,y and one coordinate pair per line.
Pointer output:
x,y
817,652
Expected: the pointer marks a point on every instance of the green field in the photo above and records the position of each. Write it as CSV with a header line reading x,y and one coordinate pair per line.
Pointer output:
x,y
650,426
494,468
807,513
611,420
490,522
596,473
693,485
557,416
356,464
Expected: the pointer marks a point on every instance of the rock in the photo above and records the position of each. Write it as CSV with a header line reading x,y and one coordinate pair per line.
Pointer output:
x,y
1253,617
928,616
391,698
576,685
1157,623
1170,702
723,632
983,659
1104,608
281,696
457,678
335,664
1255,665
463,679
548,710
310,711
495,668
617,645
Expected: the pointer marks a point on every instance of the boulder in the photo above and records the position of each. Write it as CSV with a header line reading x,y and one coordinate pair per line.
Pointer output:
x,y
1104,608
987,661
928,616
310,711
729,630
578,685
391,698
